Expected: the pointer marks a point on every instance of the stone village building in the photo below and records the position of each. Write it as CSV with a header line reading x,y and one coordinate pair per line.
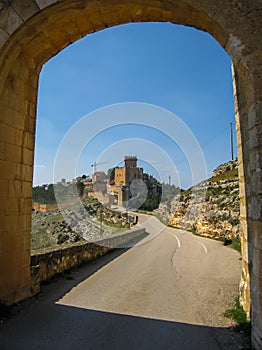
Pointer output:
x,y
119,190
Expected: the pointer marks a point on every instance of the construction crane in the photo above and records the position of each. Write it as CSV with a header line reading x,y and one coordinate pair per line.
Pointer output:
x,y
96,164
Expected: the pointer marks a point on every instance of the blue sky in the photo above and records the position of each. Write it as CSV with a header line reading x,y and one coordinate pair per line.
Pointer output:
x,y
180,69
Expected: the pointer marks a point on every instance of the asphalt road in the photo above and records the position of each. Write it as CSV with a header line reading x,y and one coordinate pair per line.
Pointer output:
x,y
168,292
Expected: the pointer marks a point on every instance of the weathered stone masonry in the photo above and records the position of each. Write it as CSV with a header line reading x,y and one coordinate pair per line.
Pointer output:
x,y
32,31
46,263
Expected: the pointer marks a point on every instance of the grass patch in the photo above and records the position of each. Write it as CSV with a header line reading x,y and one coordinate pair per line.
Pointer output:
x,y
228,175
236,244
141,211
115,225
243,326
237,313
187,192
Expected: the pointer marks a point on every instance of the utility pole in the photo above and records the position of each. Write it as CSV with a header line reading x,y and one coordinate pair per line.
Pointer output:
x,y
169,180
231,141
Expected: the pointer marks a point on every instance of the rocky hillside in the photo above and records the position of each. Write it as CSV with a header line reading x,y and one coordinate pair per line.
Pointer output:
x,y
211,208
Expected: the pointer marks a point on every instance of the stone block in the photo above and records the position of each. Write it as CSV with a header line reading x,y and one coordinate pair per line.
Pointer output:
x,y
25,8
256,265
245,292
27,189
3,37
254,114
28,157
15,101
27,238
28,204
23,172
255,137
255,237
10,20
7,133
60,39
242,187
24,222
20,84
31,125
256,185
42,43
14,188
29,172
33,79
16,118
32,106
10,223
18,137
255,159
8,170
29,140
23,72
44,3
13,153
255,209
10,206
4,188
43,56
2,149
245,250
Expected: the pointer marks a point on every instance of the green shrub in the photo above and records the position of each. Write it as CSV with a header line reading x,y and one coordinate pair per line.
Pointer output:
x,y
237,313
236,244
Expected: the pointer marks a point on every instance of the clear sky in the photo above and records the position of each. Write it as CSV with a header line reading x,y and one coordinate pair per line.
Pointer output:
x,y
179,69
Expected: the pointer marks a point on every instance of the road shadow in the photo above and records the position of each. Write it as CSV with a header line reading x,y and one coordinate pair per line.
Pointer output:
x,y
52,326
62,283
40,323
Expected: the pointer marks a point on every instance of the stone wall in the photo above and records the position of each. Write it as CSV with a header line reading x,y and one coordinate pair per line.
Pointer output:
x,y
44,208
46,263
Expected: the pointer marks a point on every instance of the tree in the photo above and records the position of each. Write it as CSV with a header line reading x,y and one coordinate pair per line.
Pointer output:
x,y
111,173
154,189
44,194
80,188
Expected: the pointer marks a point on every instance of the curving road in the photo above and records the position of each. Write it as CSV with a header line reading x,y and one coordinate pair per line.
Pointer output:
x,y
168,292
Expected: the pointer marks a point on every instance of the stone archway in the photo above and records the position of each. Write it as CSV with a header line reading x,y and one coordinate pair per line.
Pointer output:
x,y
32,31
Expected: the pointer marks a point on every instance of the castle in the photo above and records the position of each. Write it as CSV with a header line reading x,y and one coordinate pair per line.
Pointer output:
x,y
119,189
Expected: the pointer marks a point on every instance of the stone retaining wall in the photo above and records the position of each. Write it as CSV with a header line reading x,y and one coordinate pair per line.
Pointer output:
x,y
46,263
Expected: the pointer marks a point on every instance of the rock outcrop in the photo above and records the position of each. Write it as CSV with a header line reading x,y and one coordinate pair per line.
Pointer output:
x,y
210,208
